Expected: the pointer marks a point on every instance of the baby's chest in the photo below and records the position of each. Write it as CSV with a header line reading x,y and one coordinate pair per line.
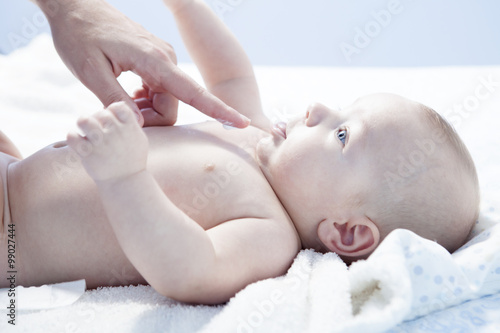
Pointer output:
x,y
210,181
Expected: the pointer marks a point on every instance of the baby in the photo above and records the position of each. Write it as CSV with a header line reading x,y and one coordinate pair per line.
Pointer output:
x,y
199,212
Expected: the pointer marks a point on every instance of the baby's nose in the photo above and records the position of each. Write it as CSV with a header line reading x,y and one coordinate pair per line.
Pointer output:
x,y
316,113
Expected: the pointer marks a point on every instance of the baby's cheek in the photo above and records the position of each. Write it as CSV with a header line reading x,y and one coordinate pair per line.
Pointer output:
x,y
292,170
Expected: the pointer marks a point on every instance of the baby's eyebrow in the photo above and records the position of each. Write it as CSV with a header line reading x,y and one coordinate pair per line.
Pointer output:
x,y
363,134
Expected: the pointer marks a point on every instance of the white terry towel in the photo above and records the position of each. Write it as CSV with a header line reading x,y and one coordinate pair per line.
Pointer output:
x,y
406,277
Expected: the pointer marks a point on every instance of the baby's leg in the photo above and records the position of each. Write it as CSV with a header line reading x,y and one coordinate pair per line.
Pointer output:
x,y
7,147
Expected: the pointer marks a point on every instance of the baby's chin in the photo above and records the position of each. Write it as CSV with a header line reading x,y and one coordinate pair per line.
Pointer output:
x,y
266,148
263,150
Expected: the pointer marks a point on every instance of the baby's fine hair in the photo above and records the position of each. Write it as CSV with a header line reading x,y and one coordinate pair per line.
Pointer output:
x,y
439,200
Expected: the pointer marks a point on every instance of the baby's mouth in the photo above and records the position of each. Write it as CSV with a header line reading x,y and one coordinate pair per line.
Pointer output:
x,y
279,128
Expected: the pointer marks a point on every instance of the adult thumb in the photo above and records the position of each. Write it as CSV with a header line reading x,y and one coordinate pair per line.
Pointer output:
x,y
107,88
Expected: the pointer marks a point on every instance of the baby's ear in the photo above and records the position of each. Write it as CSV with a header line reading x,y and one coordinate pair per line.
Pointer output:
x,y
355,238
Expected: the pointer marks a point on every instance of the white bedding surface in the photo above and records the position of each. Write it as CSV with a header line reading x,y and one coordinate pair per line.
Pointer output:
x,y
40,101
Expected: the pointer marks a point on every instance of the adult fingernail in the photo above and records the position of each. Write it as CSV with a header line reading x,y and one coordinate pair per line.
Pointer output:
x,y
229,127
224,122
245,119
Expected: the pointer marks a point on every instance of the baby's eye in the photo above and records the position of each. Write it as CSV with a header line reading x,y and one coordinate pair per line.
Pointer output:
x,y
342,135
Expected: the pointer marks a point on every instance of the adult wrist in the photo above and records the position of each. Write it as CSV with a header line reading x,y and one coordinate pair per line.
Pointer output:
x,y
56,8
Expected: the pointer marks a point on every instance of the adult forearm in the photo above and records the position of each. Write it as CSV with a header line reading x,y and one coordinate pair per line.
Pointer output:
x,y
169,249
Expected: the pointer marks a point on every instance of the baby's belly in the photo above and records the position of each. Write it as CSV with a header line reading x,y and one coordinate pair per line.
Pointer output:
x,y
62,231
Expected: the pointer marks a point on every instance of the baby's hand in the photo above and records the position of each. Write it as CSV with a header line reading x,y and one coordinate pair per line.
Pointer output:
x,y
113,145
157,108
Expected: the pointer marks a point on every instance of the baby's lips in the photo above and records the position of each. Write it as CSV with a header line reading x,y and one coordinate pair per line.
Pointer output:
x,y
280,128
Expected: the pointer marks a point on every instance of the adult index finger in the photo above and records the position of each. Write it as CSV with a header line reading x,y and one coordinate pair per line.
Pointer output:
x,y
170,78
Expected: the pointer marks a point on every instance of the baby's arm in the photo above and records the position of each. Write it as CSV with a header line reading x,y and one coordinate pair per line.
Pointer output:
x,y
223,63
170,250
158,238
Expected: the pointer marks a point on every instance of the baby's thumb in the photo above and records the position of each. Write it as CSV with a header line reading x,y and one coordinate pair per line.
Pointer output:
x,y
128,102
122,111
113,99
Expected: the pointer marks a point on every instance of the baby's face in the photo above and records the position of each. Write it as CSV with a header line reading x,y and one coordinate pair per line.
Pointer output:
x,y
327,157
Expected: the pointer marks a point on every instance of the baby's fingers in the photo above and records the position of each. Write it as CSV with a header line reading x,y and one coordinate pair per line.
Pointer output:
x,y
122,112
91,128
79,144
143,103
74,140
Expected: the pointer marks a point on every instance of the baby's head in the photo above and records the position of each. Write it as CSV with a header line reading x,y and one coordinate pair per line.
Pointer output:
x,y
347,178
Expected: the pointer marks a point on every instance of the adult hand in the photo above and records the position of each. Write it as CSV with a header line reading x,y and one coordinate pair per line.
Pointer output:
x,y
97,43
